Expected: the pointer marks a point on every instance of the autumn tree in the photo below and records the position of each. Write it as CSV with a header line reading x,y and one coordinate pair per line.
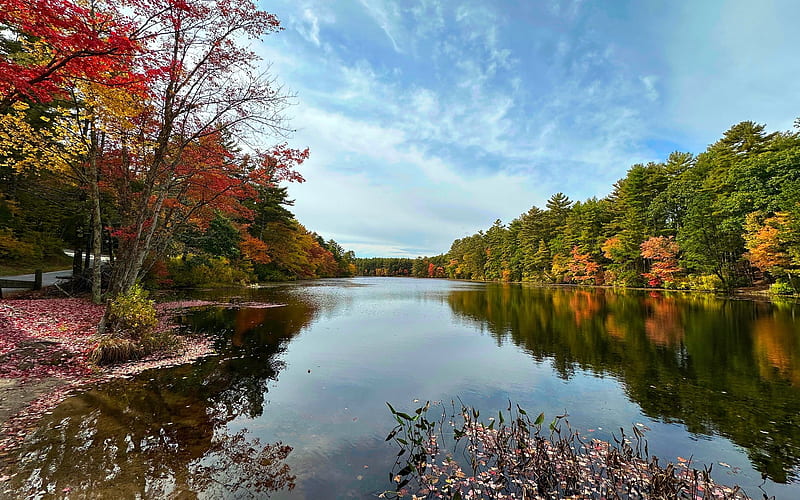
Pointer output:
x,y
662,254
199,146
773,245
582,267
45,44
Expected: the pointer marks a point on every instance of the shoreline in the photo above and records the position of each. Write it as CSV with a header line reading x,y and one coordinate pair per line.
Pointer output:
x,y
760,294
44,357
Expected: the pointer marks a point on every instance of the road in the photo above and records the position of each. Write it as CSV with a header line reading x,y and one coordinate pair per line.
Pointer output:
x,y
48,279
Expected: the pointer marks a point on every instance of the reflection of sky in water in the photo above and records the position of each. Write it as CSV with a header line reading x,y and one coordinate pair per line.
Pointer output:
x,y
343,348
404,343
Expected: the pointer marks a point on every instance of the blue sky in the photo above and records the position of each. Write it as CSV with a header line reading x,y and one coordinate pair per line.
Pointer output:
x,y
429,119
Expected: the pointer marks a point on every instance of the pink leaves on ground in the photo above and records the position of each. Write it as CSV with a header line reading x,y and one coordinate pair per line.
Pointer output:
x,y
47,338
52,338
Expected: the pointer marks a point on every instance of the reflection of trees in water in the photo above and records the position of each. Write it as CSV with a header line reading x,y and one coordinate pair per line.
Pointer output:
x,y
664,324
777,348
164,434
727,367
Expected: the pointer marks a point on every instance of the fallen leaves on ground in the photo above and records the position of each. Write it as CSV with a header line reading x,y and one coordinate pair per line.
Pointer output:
x,y
52,338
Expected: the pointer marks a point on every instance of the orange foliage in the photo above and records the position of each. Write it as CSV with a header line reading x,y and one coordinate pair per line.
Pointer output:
x,y
663,252
255,250
766,250
582,267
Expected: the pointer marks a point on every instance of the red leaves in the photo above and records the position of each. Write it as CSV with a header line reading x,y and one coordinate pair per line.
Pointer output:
x,y
76,43
663,252
51,338
47,338
279,164
582,267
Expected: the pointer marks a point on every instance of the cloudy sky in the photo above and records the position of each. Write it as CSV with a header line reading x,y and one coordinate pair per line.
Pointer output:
x,y
429,119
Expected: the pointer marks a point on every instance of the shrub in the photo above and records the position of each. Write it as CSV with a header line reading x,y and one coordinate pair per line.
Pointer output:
x,y
625,277
781,288
132,314
14,249
45,245
112,350
132,330
702,283
269,272
160,341
199,270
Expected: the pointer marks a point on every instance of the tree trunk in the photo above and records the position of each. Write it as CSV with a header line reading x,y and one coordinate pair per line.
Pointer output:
x,y
97,237
96,229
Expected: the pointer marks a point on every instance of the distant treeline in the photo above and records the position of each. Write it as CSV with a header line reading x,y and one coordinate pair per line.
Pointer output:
x,y
727,217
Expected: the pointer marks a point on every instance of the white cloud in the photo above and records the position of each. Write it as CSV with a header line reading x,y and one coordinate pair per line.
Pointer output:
x,y
312,34
391,190
426,120
385,16
649,83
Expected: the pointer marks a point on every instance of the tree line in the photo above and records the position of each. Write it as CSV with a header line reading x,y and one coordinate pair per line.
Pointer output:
x,y
149,130
727,217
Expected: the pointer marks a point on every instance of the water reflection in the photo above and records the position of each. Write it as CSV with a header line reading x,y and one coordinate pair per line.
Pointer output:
x,y
720,367
342,348
165,433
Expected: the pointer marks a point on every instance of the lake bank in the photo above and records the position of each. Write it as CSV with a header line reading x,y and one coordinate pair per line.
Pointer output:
x,y
44,357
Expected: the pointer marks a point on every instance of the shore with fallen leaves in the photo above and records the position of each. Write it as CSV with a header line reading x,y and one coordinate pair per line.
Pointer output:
x,y
44,357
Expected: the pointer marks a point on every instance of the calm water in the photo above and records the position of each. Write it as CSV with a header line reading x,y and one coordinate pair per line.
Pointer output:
x,y
717,380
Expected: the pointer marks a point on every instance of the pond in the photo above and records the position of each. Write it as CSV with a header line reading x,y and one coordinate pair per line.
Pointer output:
x,y
294,405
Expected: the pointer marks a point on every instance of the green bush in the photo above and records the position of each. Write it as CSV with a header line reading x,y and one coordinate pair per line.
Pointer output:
x,y
47,246
625,277
132,332
200,270
701,283
132,314
269,272
781,288
14,249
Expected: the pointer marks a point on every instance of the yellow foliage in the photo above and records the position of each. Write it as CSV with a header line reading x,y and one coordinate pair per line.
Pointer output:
x,y
111,107
61,143
23,146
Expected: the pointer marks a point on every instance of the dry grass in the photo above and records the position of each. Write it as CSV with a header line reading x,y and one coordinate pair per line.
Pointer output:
x,y
112,350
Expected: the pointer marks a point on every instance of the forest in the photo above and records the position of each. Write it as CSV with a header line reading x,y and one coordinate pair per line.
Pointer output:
x,y
151,135
727,217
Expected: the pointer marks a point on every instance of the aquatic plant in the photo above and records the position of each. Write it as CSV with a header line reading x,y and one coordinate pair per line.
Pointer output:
x,y
512,456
